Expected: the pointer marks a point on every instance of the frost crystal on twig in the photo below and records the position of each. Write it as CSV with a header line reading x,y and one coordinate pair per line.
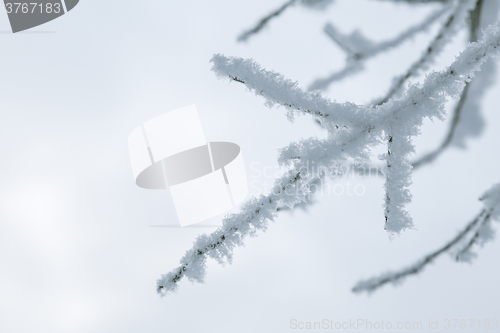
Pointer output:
x,y
359,49
477,232
353,130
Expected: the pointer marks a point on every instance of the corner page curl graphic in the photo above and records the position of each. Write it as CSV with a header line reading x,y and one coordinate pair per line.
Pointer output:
x,y
25,15
205,178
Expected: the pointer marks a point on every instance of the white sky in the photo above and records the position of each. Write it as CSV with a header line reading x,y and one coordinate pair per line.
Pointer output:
x,y
76,250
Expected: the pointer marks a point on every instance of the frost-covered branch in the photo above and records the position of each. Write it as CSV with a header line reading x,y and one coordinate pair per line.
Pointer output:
x,y
398,181
263,22
399,169
410,32
465,98
359,49
374,283
292,188
477,232
453,24
455,119
403,116
362,127
276,89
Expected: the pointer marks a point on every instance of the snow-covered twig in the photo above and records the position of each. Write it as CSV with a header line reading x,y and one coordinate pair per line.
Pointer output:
x,y
476,232
363,127
482,234
453,24
355,122
430,157
290,189
359,49
374,283
464,98
398,177
276,89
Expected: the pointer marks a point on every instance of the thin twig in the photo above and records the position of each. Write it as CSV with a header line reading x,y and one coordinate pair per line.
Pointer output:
x,y
474,23
356,58
415,67
264,21
428,158
423,101
395,277
473,239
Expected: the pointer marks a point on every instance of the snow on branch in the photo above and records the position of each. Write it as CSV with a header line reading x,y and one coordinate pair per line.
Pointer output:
x,y
455,119
399,119
359,49
364,128
454,23
410,32
293,187
276,89
466,120
398,181
477,232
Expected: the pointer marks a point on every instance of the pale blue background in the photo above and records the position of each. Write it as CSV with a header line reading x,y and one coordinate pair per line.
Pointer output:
x,y
76,250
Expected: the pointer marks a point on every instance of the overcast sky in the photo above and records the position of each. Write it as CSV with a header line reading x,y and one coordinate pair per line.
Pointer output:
x,y
77,253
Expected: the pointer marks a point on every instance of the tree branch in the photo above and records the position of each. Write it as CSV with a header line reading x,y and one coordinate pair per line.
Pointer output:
x,y
474,23
357,54
473,230
405,115
449,29
264,21
374,283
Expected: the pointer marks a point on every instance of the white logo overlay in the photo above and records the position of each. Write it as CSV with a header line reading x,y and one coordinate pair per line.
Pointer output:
x,y
205,179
